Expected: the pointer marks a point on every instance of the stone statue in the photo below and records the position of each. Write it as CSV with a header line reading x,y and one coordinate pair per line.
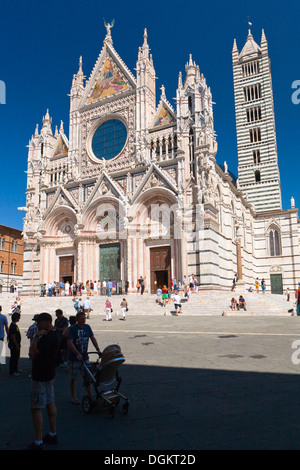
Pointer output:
x,y
109,26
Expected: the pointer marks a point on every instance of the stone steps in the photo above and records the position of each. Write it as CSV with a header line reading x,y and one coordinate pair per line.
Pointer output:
x,y
203,303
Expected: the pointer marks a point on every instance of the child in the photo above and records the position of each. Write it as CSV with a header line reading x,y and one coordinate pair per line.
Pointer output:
x,y
234,304
159,292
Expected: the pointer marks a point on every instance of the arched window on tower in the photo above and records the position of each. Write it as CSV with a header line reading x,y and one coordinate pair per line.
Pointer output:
x,y
274,242
192,153
190,102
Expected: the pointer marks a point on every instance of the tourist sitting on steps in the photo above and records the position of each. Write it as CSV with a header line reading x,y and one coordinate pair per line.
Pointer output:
x,y
242,302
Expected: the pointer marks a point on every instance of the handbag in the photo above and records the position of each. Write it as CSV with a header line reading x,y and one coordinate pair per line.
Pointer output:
x,y
126,309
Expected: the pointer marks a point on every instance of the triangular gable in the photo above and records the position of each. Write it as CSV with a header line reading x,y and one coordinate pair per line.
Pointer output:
x,y
62,197
61,147
153,178
110,81
164,117
105,186
110,77
165,114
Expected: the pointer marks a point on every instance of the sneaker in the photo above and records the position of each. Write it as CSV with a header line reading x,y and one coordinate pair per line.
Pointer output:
x,y
34,446
50,439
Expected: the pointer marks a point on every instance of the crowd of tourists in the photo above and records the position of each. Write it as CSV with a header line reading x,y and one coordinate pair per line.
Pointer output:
x,y
79,288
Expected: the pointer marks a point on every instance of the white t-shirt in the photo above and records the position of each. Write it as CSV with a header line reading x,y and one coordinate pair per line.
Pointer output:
x,y
177,299
86,304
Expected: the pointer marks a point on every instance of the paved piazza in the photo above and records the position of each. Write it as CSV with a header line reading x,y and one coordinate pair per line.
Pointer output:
x,y
194,382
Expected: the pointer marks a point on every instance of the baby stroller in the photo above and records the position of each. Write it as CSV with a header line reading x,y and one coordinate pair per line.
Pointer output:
x,y
103,375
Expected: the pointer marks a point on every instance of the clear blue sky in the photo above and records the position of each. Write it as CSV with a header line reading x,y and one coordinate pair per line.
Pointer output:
x,y
41,43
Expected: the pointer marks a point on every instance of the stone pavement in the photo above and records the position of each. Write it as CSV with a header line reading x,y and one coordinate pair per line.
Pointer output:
x,y
194,382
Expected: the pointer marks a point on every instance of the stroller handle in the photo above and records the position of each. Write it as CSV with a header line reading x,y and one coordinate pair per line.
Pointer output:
x,y
95,352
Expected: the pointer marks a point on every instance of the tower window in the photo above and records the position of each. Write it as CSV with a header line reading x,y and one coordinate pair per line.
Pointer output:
x,y
252,92
257,177
255,135
251,68
256,157
254,114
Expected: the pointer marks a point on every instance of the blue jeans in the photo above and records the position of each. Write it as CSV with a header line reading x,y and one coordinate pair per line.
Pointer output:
x,y
109,292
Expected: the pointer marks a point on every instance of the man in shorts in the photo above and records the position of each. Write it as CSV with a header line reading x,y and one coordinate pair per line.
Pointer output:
x,y
43,353
78,340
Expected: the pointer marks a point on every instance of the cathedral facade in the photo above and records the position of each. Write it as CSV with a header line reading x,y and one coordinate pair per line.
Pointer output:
x,y
136,189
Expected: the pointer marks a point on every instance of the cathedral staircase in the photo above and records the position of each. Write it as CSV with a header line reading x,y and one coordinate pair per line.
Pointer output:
x,y
203,303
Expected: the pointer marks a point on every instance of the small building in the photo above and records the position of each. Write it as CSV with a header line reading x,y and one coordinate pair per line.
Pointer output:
x,y
11,259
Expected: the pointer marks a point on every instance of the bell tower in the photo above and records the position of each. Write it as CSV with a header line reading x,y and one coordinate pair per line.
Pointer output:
x,y
258,170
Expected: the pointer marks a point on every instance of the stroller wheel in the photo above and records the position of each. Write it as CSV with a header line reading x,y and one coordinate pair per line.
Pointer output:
x,y
86,405
125,408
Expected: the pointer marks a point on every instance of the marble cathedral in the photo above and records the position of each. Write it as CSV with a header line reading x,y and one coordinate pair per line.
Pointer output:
x,y
90,196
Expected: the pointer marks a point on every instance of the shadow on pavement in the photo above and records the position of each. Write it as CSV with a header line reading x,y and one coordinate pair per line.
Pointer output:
x,y
170,409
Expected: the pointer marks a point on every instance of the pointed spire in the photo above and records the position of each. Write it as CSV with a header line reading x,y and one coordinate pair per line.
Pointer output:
x,y
180,85
61,129
235,49
36,133
191,70
264,42
145,38
263,37
145,47
47,121
47,116
56,132
235,52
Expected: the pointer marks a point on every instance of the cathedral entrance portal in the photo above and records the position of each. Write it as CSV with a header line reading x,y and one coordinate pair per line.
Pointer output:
x,y
110,262
66,269
160,267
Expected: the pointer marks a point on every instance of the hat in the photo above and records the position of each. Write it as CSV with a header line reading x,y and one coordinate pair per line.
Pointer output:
x,y
35,317
44,317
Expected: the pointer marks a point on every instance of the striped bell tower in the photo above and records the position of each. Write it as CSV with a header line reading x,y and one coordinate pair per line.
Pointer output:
x,y
258,171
